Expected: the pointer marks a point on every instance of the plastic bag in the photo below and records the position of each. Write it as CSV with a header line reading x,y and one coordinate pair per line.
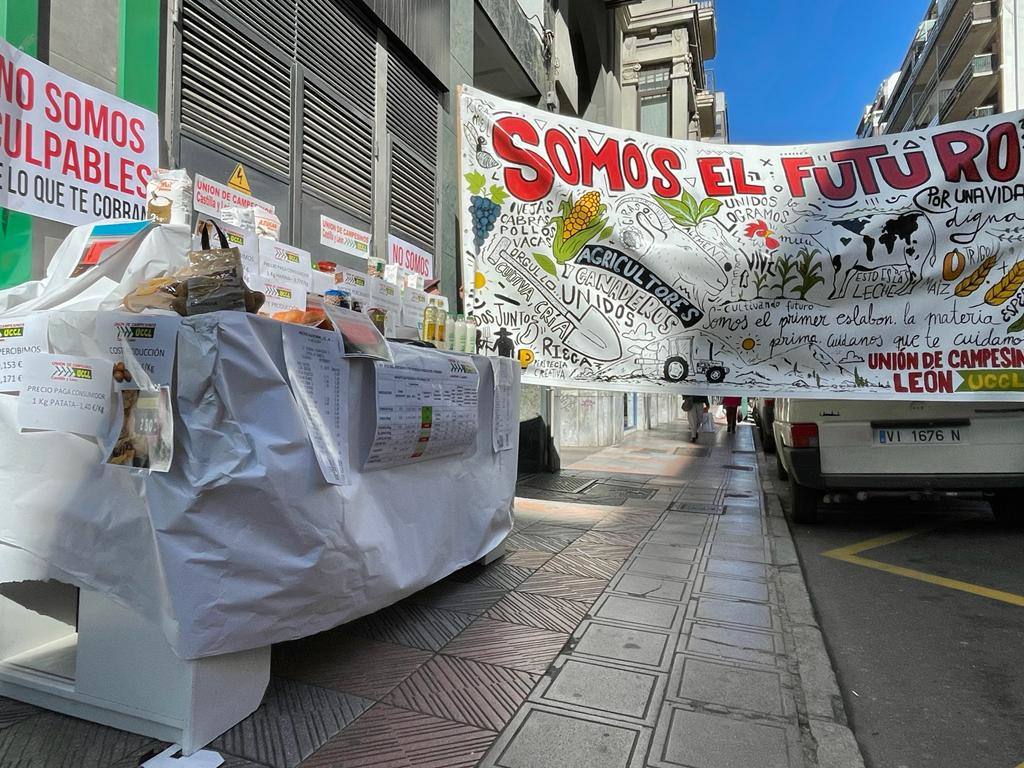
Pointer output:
x,y
708,424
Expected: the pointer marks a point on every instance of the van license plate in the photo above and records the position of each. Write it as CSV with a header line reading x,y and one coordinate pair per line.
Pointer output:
x,y
923,436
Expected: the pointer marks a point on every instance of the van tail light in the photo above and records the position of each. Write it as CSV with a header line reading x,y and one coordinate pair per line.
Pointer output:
x,y
803,435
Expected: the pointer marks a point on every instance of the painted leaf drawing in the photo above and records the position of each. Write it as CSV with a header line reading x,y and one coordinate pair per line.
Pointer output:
x,y
477,181
686,211
546,264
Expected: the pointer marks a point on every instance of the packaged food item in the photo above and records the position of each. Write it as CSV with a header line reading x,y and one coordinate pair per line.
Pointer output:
x,y
441,327
378,317
429,323
156,293
336,297
375,267
326,266
169,197
263,221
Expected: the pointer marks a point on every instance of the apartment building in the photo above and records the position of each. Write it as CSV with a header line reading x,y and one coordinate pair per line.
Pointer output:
x,y
964,61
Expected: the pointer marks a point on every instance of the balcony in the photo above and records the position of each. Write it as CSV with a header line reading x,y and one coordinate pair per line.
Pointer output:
x,y
972,35
706,112
986,110
972,87
706,28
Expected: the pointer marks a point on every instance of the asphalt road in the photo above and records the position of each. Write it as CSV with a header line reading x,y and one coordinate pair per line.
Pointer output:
x,y
932,676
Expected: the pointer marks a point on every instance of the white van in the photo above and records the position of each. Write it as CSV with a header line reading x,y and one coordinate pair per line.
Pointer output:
x,y
861,448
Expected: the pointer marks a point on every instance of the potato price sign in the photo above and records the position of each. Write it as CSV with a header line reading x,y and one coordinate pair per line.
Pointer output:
x,y
70,152
890,267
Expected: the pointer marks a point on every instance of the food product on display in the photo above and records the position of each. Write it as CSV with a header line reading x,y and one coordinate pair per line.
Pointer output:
x,y
169,197
375,267
263,221
338,298
379,318
121,373
441,327
429,323
156,293
326,266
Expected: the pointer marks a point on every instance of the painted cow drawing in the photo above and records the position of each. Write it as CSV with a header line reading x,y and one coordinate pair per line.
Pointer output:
x,y
887,244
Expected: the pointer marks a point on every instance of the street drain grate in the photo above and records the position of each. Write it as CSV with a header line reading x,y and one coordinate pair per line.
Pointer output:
x,y
738,495
693,450
739,467
697,509
559,483
627,491
742,451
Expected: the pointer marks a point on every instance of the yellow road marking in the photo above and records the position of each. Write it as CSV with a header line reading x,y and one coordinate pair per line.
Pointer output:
x,y
852,554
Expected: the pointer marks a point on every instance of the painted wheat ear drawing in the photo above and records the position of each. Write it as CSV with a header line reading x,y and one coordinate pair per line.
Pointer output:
x,y
1008,286
976,279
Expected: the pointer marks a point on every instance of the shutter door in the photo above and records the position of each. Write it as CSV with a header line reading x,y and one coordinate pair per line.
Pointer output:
x,y
234,93
412,121
337,49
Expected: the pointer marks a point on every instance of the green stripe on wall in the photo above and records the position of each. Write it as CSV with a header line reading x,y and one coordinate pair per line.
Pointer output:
x,y
138,66
19,25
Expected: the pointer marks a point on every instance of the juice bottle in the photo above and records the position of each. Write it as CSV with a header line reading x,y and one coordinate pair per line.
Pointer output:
x,y
429,323
460,334
440,326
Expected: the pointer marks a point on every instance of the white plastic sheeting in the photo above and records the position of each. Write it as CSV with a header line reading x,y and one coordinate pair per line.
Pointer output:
x,y
243,543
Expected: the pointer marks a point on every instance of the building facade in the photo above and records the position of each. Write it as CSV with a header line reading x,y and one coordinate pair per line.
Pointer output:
x,y
964,61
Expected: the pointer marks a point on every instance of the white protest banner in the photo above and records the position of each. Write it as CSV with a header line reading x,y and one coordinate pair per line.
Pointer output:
x,y
19,336
71,152
210,197
285,263
151,341
344,238
65,394
889,267
409,256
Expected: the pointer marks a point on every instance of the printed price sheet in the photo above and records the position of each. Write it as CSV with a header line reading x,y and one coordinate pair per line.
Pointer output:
x,y
19,336
65,393
319,381
426,408
505,416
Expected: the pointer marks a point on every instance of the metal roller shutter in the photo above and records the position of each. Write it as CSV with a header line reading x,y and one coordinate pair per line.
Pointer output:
x,y
234,93
413,109
273,19
337,45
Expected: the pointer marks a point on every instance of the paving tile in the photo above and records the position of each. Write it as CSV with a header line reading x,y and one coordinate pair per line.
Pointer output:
x,y
293,721
540,543
388,737
642,647
651,567
739,552
723,585
640,611
622,538
580,588
742,539
153,748
668,552
348,663
467,691
729,685
650,586
50,740
676,538
501,575
733,612
527,558
541,737
579,564
528,649
614,552
732,643
415,625
602,689
12,711
741,570
555,530
544,611
463,598
702,740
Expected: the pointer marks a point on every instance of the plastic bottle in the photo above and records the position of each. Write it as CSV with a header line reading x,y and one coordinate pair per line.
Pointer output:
x,y
440,326
470,345
460,334
449,333
429,323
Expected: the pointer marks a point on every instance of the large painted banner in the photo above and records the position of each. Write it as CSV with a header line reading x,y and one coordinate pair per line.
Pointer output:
x,y
890,267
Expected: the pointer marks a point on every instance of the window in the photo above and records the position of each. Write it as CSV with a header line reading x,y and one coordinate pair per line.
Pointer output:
x,y
655,88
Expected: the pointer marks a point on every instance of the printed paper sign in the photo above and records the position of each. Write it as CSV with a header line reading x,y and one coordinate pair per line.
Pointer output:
x,y
209,197
888,267
280,295
319,382
410,256
426,407
65,394
19,336
506,415
282,262
413,304
150,342
356,283
344,238
73,153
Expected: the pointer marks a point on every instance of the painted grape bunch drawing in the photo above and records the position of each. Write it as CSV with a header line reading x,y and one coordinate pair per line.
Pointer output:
x,y
484,208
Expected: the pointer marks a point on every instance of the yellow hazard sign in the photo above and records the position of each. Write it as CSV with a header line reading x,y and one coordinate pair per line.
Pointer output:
x,y
238,181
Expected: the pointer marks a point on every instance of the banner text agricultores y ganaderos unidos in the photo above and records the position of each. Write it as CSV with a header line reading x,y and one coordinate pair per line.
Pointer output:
x,y
889,267
68,151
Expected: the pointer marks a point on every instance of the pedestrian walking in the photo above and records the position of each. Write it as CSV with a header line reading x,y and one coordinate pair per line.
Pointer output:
x,y
695,406
731,405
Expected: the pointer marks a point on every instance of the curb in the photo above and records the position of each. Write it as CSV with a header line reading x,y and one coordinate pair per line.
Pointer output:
x,y
834,745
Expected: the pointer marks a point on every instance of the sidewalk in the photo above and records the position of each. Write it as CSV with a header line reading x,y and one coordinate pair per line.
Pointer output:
x,y
648,613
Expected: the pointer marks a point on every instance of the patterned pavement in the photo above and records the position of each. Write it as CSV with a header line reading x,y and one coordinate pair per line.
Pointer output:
x,y
634,622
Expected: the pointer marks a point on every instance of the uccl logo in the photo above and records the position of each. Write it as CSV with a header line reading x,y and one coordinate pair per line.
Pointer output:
x,y
70,371
136,330
12,331
460,367
282,293
292,258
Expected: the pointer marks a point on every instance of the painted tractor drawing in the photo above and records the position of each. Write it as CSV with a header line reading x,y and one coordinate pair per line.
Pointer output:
x,y
677,369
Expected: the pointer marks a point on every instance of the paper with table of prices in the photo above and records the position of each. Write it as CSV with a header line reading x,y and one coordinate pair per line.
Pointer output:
x,y
504,410
319,382
426,407
19,336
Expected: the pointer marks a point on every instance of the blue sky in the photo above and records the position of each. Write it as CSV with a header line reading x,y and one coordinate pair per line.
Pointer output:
x,y
797,71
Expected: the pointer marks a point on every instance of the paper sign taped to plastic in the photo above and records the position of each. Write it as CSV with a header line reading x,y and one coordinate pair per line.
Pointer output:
x,y
150,339
19,336
506,417
64,393
282,262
